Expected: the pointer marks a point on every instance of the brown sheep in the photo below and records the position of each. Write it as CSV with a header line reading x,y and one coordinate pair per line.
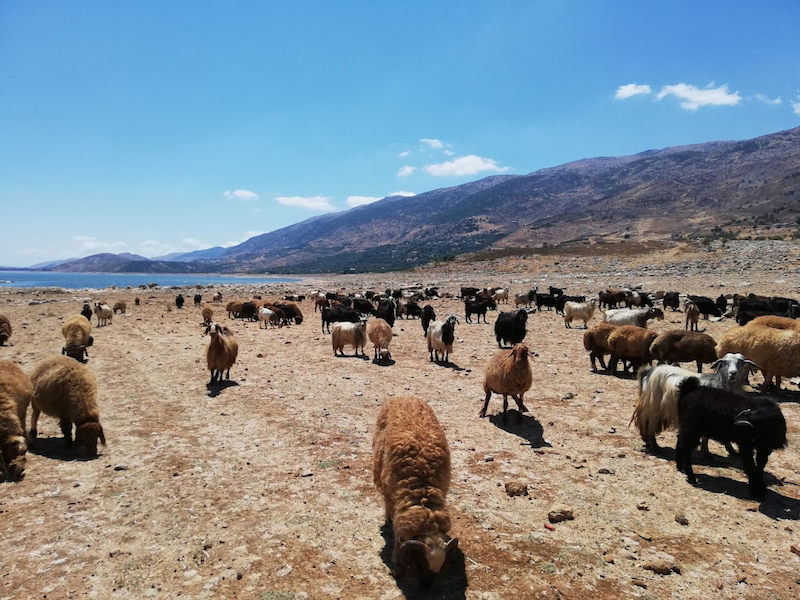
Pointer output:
x,y
692,316
5,329
508,373
221,352
775,351
380,334
67,390
411,469
136,301
207,313
120,306
76,330
677,346
595,340
775,322
16,393
631,343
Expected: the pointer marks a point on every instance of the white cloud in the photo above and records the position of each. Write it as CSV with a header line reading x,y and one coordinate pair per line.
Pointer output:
x,y
432,143
309,202
796,108
243,195
693,97
630,90
464,165
193,244
245,236
402,193
448,152
404,154
93,245
767,100
406,171
361,200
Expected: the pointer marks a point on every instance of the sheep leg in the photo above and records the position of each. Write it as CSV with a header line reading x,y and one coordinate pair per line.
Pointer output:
x,y
505,408
485,404
520,404
34,422
755,483
66,429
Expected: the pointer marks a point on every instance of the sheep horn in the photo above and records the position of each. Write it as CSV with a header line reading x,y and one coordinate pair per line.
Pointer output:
x,y
451,545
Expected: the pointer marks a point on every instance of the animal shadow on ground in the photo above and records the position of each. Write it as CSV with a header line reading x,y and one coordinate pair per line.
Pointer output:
x,y
54,447
381,363
359,356
775,506
448,365
529,429
450,584
215,389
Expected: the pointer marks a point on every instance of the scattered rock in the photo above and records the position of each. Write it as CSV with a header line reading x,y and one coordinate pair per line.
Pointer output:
x,y
121,467
639,583
488,458
661,563
794,550
681,519
642,505
568,396
606,471
559,513
284,571
516,488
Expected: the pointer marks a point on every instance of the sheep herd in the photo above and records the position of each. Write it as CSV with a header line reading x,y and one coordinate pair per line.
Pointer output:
x,y
410,452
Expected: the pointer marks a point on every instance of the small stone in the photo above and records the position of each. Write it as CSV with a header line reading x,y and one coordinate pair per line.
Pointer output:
x,y
516,488
642,505
189,574
658,565
228,574
568,396
488,458
794,550
681,519
359,394
606,471
639,583
559,513
121,467
284,571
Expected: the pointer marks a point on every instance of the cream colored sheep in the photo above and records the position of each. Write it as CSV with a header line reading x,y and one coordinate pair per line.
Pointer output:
x,y
16,393
67,390
692,316
349,334
221,352
380,334
579,310
411,469
76,330
776,351
104,314
508,373
775,322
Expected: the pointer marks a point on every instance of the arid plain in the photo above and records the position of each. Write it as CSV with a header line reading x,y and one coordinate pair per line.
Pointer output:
x,y
263,488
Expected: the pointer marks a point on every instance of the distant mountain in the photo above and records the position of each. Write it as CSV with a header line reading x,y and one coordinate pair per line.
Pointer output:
x,y
207,254
51,263
125,263
654,194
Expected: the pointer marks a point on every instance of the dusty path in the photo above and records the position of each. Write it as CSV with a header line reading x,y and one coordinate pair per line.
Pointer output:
x,y
263,489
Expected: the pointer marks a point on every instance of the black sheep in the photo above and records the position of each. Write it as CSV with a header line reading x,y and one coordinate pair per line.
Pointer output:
x,y
475,307
428,315
386,311
706,306
179,301
338,314
510,327
754,423
197,299
87,312
672,300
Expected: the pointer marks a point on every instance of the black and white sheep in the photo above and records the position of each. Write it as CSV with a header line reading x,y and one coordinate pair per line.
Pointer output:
x,y
339,314
753,423
440,336
411,469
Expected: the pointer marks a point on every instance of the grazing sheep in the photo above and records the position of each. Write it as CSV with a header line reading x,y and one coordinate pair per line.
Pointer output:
x,y
104,313
411,469
428,315
753,423
386,310
5,329
67,390
631,343
440,336
268,317
692,316
705,305
579,310
508,373
527,298
380,334
775,322
221,352
290,311
16,393
777,351
86,311
120,306
217,297
136,301
207,313
658,390
349,334
510,327
340,314
671,300
595,340
76,330
234,308
676,346
198,299
633,316
179,300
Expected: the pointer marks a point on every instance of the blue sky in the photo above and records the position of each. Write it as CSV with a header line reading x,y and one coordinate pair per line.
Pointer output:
x,y
153,127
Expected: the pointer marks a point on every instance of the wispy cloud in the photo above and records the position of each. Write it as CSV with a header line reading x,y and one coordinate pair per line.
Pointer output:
x,y
402,193
310,202
361,200
448,152
91,244
693,97
404,154
796,108
767,100
243,195
406,171
631,89
432,143
464,165
193,244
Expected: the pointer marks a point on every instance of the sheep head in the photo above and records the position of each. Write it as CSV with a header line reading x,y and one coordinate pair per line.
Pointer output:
x,y
12,457
425,557
87,435
735,368
520,353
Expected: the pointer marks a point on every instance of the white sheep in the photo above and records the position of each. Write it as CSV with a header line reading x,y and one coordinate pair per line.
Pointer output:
x,y
411,469
633,316
579,310
67,390
349,334
380,334
104,313
268,317
777,351
440,336
659,389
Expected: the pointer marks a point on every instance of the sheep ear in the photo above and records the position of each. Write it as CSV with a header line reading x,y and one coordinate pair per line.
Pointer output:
x,y
716,364
753,366
451,546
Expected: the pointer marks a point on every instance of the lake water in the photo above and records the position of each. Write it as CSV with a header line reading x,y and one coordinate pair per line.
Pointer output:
x,y
79,281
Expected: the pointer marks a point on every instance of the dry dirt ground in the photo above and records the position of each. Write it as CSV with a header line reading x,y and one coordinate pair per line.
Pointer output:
x,y
262,489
